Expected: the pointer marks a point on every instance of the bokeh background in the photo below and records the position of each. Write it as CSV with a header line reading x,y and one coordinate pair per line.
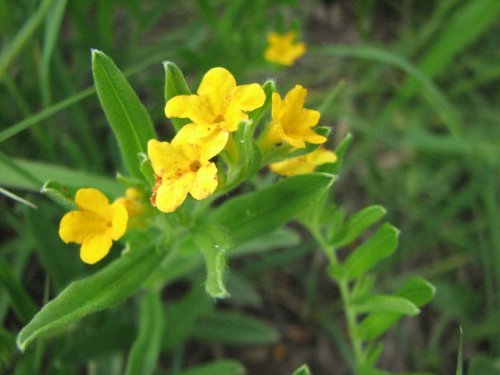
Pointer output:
x,y
419,92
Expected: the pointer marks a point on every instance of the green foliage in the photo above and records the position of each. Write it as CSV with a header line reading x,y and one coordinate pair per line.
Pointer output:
x,y
419,94
254,214
125,113
102,290
146,349
234,329
175,84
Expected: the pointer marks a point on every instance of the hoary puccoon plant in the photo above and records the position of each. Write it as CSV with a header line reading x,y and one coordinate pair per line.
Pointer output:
x,y
245,160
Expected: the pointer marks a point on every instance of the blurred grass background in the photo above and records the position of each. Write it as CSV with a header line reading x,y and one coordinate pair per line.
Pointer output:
x,y
421,97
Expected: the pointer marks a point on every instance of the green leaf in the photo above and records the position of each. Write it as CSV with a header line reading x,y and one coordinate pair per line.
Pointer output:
x,y
282,237
59,194
248,156
59,261
126,115
175,84
416,290
386,304
23,305
378,247
234,329
214,241
111,331
358,223
181,317
340,152
302,370
144,354
255,214
221,367
104,289
269,88
12,175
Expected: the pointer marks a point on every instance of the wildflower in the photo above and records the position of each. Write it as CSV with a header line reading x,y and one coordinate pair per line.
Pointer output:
x,y
282,49
94,225
219,105
133,203
183,167
291,122
303,164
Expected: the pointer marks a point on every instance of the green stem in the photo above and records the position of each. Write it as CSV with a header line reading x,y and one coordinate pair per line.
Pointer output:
x,y
345,294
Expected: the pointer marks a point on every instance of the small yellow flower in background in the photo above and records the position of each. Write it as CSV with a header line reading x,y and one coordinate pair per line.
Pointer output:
x,y
94,225
183,167
282,48
219,105
133,203
303,164
291,122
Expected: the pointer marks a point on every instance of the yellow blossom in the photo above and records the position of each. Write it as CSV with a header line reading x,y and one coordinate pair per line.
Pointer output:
x,y
291,122
303,164
283,49
183,167
94,225
219,105
133,201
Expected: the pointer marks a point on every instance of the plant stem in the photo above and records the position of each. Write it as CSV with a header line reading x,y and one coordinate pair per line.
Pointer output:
x,y
345,294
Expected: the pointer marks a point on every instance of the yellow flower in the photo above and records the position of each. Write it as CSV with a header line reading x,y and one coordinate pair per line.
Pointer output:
x,y
132,201
291,122
219,105
94,225
303,164
183,167
282,49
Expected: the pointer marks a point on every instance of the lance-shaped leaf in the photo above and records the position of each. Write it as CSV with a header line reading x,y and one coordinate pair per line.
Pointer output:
x,y
126,115
255,214
234,329
416,290
144,354
370,253
104,289
175,84
383,303
357,224
214,241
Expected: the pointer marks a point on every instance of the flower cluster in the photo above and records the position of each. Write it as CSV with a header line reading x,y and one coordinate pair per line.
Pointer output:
x,y
185,166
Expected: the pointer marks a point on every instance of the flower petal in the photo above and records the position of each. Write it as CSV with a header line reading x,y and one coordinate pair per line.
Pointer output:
x,y
95,247
321,156
189,106
312,137
248,97
215,88
75,226
213,144
119,220
164,159
93,200
173,192
205,182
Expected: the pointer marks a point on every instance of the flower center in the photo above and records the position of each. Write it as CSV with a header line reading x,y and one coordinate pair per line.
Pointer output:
x,y
195,165
219,119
